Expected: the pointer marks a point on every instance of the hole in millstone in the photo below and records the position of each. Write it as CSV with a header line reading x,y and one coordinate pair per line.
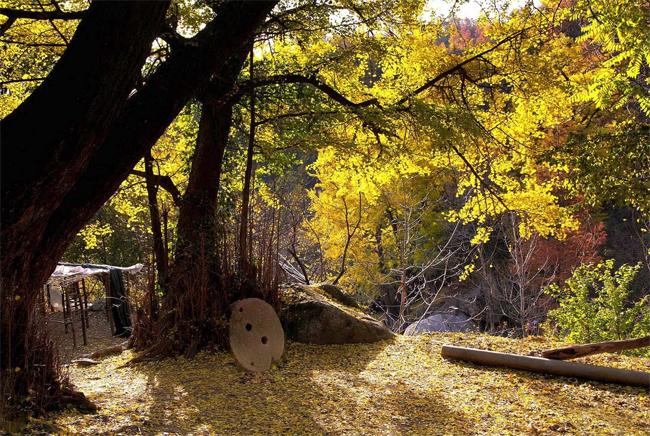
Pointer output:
x,y
264,339
241,309
252,363
249,327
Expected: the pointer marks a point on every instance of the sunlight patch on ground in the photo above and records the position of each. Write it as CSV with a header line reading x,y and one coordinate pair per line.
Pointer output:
x,y
400,386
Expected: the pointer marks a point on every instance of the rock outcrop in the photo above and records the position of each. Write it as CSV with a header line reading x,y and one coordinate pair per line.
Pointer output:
x,y
319,314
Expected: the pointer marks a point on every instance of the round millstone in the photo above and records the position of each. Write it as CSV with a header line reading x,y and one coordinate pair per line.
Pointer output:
x,y
256,335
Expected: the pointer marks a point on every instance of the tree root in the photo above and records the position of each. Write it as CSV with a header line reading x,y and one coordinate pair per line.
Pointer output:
x,y
161,349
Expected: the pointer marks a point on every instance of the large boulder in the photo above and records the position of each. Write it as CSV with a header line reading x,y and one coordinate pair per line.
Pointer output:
x,y
442,322
311,315
337,294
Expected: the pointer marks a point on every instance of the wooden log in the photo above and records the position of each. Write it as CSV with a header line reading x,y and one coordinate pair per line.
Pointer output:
x,y
548,366
84,361
49,298
575,351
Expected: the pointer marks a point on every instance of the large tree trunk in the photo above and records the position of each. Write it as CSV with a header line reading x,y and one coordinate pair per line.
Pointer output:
x,y
67,148
197,299
46,143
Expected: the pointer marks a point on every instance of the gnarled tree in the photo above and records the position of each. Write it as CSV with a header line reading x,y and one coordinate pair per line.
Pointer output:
x,y
92,129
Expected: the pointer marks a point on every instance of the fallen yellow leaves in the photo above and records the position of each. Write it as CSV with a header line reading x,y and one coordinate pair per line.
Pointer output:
x,y
396,387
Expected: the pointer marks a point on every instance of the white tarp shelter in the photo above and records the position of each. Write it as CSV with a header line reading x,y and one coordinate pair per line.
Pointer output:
x,y
66,273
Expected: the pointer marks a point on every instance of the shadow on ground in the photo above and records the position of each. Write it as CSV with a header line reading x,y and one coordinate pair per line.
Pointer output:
x,y
98,335
317,389
399,387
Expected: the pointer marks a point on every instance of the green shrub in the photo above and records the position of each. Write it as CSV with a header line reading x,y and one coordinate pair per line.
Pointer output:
x,y
594,305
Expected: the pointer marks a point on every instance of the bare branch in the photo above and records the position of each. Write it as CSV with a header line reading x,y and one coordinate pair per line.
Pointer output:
x,y
350,235
42,15
458,68
310,80
35,79
483,182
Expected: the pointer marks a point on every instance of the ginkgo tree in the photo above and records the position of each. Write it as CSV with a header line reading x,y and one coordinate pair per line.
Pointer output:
x,y
55,177
484,122
411,139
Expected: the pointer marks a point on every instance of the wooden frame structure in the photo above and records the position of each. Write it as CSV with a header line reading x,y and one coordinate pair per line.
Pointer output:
x,y
74,295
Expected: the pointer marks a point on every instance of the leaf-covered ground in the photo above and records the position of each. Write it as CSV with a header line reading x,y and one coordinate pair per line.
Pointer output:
x,y
395,387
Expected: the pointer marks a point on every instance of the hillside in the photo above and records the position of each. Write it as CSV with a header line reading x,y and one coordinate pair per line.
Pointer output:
x,y
397,387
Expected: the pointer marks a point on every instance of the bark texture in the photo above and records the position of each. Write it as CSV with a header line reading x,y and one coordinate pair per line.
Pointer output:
x,y
67,148
46,144
197,298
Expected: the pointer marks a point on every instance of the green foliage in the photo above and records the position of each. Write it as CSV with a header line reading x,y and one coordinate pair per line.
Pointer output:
x,y
619,30
608,164
594,305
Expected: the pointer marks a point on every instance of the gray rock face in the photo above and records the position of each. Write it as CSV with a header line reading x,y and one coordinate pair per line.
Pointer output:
x,y
337,294
312,317
442,322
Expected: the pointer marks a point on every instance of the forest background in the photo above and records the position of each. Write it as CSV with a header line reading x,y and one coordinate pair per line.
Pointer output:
x,y
496,166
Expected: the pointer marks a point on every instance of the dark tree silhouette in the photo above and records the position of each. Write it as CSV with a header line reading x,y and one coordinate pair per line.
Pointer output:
x,y
67,148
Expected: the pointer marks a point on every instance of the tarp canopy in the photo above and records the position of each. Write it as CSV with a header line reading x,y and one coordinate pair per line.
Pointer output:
x,y
72,272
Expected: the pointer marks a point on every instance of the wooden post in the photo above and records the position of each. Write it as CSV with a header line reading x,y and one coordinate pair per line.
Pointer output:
x,y
575,351
548,366
63,306
81,312
49,298
109,303
69,310
85,295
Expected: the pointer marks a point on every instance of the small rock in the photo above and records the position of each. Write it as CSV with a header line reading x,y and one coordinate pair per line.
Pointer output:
x,y
441,322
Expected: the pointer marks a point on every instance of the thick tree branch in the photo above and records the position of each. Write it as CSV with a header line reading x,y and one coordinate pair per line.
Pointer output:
x,y
164,182
185,74
309,80
39,166
6,25
171,37
459,67
42,15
